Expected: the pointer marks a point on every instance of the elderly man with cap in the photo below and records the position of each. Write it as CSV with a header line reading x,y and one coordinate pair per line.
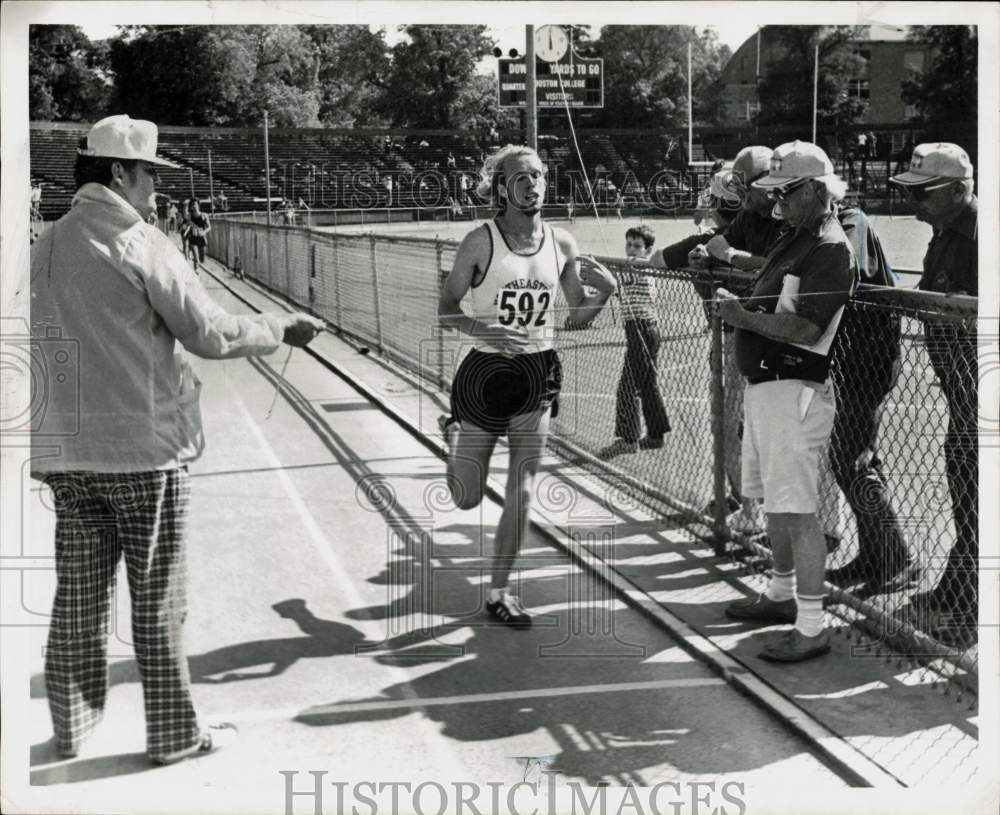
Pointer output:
x,y
743,243
939,182
782,341
114,449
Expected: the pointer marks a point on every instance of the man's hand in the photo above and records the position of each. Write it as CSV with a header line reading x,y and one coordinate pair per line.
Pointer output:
x,y
698,258
506,340
596,276
300,329
728,306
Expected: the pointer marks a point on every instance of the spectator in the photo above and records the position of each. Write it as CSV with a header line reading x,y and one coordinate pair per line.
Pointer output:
x,y
36,200
940,185
450,161
186,227
719,202
172,216
743,244
198,233
865,366
126,433
638,382
782,346
872,145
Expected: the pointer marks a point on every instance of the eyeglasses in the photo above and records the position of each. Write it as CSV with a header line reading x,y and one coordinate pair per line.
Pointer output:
x,y
784,193
923,193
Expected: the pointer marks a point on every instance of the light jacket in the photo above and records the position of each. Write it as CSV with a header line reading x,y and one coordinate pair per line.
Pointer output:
x,y
115,309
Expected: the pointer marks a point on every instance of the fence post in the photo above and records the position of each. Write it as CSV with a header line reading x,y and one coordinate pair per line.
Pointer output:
x,y
718,444
288,267
378,310
312,276
336,282
440,332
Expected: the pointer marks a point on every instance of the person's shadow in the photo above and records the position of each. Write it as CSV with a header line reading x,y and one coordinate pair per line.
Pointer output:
x,y
241,661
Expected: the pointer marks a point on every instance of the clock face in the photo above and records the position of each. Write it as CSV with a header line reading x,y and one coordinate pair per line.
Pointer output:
x,y
551,43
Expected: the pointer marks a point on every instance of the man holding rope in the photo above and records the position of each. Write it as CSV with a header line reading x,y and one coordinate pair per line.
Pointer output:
x,y
120,442
508,384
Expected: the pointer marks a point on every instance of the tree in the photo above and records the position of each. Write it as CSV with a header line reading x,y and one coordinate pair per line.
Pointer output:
x,y
786,89
429,72
645,75
67,74
217,75
946,90
352,66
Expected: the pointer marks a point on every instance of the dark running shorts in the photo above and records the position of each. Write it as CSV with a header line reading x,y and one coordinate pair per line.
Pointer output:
x,y
490,389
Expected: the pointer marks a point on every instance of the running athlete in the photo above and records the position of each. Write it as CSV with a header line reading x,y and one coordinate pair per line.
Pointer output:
x,y
509,382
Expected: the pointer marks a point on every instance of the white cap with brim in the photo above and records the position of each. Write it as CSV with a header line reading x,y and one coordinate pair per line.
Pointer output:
x,y
125,138
933,161
793,162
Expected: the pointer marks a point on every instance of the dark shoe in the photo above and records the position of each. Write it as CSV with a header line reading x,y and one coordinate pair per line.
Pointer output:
x,y
832,543
619,447
763,608
794,646
732,505
878,576
214,737
651,443
958,629
509,611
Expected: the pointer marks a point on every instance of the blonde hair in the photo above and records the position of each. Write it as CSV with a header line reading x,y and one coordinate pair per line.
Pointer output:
x,y
493,169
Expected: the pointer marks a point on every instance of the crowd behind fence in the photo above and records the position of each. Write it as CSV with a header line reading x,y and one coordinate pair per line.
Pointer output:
x,y
383,290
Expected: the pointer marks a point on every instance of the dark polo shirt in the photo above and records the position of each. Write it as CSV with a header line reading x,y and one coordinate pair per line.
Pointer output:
x,y
748,232
952,260
820,255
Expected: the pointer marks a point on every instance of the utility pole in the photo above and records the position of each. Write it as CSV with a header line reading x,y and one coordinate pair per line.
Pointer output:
x,y
267,169
531,106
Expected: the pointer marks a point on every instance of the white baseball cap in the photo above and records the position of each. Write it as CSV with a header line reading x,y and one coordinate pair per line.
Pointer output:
x,y
794,161
935,160
126,138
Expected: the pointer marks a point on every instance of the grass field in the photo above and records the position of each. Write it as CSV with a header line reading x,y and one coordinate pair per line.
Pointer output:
x,y
903,237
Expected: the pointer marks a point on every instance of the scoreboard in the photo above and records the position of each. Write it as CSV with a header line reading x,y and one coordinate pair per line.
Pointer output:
x,y
582,82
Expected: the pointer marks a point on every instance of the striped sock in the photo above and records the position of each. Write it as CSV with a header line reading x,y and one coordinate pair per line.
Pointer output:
x,y
781,587
809,620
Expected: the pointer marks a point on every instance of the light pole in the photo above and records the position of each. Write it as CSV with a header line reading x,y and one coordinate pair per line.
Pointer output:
x,y
211,188
267,171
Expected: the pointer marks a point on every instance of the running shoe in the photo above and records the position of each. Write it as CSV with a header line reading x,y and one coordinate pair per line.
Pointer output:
x,y
509,611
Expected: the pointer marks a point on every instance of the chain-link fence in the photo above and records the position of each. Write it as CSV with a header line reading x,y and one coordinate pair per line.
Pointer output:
x,y
899,510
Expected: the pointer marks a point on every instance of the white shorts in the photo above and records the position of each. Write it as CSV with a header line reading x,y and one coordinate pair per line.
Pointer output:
x,y
786,430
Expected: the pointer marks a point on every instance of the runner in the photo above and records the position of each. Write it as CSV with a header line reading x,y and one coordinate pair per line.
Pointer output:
x,y
509,382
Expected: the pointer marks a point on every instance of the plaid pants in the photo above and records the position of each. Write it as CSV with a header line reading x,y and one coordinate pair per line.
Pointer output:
x,y
100,517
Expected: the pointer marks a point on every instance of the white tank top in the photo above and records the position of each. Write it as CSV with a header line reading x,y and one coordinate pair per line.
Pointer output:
x,y
519,291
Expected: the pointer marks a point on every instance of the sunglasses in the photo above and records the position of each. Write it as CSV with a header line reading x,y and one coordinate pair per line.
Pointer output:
x,y
150,171
923,193
784,193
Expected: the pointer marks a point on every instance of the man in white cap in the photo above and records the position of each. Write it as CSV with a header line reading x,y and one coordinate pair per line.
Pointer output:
x,y
939,183
114,444
782,342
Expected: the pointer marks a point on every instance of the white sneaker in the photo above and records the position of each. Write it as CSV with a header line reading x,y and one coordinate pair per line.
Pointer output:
x,y
508,610
214,737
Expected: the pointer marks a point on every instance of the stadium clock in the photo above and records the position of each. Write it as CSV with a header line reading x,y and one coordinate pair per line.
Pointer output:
x,y
551,43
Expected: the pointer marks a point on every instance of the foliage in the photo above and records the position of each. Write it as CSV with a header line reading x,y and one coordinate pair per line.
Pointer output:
x,y
430,69
947,89
645,75
786,88
67,74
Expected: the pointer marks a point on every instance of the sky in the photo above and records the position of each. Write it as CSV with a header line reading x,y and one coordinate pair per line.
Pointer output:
x,y
732,33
